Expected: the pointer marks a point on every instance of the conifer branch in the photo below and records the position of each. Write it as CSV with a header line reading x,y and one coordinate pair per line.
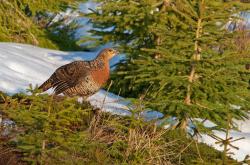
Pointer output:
x,y
196,56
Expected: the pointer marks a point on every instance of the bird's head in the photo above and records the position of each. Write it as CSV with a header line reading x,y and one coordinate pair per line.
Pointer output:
x,y
108,53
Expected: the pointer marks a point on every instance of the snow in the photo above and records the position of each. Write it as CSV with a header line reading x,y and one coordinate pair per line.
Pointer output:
x,y
66,17
110,102
243,144
69,15
243,23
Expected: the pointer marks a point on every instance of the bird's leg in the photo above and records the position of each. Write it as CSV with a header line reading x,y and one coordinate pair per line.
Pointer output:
x,y
95,121
97,114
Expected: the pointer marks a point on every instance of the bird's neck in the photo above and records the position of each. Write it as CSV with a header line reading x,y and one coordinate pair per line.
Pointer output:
x,y
100,62
102,56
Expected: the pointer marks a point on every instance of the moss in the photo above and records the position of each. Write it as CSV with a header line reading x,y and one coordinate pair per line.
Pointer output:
x,y
24,21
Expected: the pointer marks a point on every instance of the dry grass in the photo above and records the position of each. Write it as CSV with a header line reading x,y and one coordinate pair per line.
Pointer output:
x,y
144,142
242,41
149,141
9,156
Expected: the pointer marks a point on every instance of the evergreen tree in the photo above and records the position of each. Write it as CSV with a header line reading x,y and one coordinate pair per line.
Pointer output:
x,y
181,58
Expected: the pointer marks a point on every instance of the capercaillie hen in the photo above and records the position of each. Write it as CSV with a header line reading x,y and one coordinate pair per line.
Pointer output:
x,y
81,78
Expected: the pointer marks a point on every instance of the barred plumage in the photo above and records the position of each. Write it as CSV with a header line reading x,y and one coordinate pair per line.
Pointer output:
x,y
81,78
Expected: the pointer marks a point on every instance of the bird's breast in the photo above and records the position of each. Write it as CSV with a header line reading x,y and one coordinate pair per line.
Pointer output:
x,y
100,76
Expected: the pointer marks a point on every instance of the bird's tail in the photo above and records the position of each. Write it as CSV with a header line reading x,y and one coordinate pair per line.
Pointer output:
x,y
46,85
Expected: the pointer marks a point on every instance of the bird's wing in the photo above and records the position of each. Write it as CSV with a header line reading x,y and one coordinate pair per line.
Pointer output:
x,y
66,76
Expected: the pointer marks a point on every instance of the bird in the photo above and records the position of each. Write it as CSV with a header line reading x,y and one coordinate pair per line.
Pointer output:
x,y
81,78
